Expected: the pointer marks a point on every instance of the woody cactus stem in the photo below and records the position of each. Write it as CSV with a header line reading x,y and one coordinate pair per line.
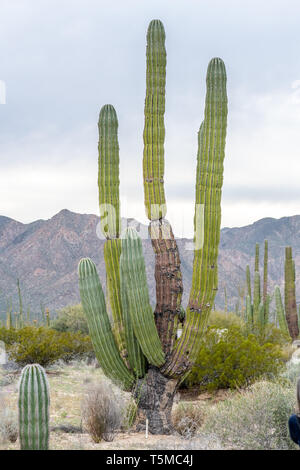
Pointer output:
x,y
290,294
33,404
207,220
154,130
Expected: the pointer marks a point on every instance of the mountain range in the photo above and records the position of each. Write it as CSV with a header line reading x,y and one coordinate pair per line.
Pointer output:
x,y
44,256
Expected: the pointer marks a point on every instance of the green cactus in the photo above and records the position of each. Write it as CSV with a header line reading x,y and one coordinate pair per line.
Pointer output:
x,y
261,300
256,264
141,315
248,281
141,350
265,282
154,130
108,172
209,180
290,294
103,340
34,400
280,314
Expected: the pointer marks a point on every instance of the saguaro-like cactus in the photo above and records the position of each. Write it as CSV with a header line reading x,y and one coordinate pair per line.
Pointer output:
x,y
259,309
140,350
290,294
34,400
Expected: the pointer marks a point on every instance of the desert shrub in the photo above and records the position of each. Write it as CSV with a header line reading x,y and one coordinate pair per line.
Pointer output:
x,y
228,359
271,334
8,422
71,319
255,419
187,419
102,412
44,346
224,320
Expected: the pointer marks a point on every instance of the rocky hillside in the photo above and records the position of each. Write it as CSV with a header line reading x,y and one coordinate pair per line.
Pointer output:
x,y
44,256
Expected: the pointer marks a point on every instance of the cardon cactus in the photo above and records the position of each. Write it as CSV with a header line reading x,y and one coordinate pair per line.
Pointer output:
x,y
290,294
34,401
138,349
258,311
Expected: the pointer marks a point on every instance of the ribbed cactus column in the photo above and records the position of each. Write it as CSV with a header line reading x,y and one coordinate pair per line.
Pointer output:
x,y
167,261
34,401
290,294
154,130
103,340
108,172
134,275
266,300
209,180
280,312
109,203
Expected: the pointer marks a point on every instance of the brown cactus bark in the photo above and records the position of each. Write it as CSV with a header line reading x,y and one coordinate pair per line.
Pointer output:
x,y
155,400
168,282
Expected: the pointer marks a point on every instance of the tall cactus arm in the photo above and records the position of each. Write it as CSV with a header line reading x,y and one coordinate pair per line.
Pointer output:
x,y
33,402
265,282
248,280
94,307
249,313
112,254
108,172
108,184
280,312
154,130
256,263
136,357
209,182
256,296
290,294
135,282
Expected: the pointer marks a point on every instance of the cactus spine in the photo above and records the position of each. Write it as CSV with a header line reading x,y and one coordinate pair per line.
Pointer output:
x,y
141,350
34,400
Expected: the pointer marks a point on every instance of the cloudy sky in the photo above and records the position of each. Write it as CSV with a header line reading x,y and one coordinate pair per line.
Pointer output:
x,y
61,60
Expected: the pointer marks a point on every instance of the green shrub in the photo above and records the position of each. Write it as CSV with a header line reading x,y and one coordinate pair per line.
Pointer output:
x,y
71,319
228,359
44,346
224,320
254,419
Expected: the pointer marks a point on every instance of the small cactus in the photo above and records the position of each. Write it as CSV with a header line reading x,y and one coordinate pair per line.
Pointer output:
x,y
34,400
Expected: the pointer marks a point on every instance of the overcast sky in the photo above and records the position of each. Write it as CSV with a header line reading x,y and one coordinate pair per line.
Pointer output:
x,y
61,60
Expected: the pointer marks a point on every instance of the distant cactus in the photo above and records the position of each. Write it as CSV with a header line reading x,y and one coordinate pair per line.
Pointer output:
x,y
290,294
34,400
258,314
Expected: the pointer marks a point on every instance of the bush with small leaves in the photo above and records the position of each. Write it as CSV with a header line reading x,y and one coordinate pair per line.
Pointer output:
x,y
228,359
254,419
44,346
71,319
